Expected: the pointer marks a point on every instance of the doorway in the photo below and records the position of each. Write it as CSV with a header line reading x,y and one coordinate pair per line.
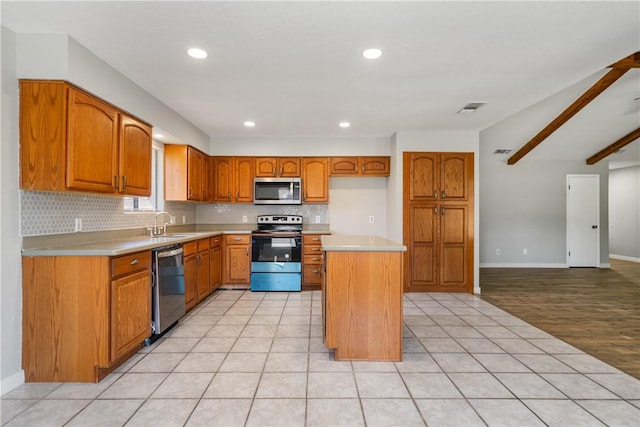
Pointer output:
x,y
583,220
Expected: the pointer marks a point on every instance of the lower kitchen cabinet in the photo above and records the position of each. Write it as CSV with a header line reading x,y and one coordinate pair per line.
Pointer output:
x,y
190,253
83,315
215,263
311,261
237,259
203,269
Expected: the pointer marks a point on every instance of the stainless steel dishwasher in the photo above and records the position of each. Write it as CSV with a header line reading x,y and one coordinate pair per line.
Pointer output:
x,y
167,297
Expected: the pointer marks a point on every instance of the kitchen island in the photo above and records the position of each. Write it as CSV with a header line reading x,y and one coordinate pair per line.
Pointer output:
x,y
362,297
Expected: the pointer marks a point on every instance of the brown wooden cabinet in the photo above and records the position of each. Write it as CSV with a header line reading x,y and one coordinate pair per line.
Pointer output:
x,y
315,179
203,264
440,176
277,166
237,259
312,257
83,315
438,222
233,179
71,140
215,263
190,253
359,166
185,173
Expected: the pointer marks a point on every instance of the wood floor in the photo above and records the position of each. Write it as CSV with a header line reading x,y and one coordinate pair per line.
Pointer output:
x,y
594,309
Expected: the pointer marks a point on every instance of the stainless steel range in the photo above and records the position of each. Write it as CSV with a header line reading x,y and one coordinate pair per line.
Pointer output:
x,y
277,253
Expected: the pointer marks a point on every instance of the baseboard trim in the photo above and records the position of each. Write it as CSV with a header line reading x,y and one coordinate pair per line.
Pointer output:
x,y
522,265
624,258
11,382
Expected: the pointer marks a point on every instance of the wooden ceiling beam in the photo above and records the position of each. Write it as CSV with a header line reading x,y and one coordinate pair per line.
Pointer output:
x,y
625,140
618,69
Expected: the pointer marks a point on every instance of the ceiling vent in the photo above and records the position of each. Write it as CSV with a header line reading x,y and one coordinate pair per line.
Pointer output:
x,y
620,151
471,107
502,151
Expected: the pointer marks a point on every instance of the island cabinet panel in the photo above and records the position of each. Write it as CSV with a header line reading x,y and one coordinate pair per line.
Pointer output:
x,y
362,304
72,140
83,315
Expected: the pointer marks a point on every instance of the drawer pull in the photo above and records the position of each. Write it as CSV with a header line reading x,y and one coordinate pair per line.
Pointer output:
x,y
316,239
316,249
134,261
315,259
237,239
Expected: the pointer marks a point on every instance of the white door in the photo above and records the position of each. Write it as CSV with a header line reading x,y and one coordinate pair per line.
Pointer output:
x,y
583,220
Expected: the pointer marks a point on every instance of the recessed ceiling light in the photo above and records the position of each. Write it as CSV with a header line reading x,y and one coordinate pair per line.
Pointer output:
x,y
158,135
197,53
502,151
249,124
372,53
344,125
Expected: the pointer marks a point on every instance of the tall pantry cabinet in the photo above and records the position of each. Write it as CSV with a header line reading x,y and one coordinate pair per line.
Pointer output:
x,y
438,222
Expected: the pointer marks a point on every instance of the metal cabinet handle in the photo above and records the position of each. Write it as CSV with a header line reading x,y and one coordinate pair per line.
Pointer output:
x,y
316,249
435,210
315,259
116,182
273,171
435,194
316,239
237,195
443,195
442,209
237,239
229,195
246,250
134,261
124,182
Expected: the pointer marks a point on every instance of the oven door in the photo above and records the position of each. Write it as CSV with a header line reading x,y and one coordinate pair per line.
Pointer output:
x,y
276,248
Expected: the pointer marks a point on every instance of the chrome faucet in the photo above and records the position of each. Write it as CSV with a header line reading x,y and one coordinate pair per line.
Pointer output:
x,y
156,231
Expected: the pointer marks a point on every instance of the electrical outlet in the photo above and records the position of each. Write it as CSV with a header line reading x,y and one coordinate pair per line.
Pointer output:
x,y
497,251
317,219
244,218
372,219
525,251
172,219
78,224
184,219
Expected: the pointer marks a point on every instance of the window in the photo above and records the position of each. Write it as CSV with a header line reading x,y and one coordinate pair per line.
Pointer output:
x,y
155,201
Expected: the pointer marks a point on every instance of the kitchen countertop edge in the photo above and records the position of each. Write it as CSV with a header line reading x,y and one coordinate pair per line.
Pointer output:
x,y
359,243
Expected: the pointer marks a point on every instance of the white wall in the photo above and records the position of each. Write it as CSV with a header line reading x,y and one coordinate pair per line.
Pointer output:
x,y
624,213
439,141
11,374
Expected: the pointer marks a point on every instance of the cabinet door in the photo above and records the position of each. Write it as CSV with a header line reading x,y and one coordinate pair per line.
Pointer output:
x,y
454,246
190,281
238,264
215,268
135,157
244,167
424,245
223,183
211,179
92,144
130,312
456,173
375,166
266,166
424,178
344,166
289,166
203,274
315,179
195,160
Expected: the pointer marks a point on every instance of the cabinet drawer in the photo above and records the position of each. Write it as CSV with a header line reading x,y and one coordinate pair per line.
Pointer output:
x,y
238,239
312,259
214,242
312,274
203,244
311,250
130,263
190,248
311,239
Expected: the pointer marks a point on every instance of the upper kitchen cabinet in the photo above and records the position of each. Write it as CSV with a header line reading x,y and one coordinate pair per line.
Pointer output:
x,y
71,140
233,179
444,177
358,166
315,179
184,173
278,166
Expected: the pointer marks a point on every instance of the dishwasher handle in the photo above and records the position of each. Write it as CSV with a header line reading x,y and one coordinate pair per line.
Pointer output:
x,y
170,253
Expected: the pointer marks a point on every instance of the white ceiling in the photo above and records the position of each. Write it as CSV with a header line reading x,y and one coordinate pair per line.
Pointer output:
x,y
295,68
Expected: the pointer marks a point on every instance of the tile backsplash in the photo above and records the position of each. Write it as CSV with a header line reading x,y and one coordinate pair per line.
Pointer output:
x,y
45,213
55,213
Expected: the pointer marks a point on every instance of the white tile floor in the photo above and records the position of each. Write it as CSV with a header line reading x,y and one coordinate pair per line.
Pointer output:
x,y
257,359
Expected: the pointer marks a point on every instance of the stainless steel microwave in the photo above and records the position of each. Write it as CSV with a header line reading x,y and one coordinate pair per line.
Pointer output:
x,y
277,191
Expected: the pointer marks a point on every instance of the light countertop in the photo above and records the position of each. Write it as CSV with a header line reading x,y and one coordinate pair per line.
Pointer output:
x,y
362,243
